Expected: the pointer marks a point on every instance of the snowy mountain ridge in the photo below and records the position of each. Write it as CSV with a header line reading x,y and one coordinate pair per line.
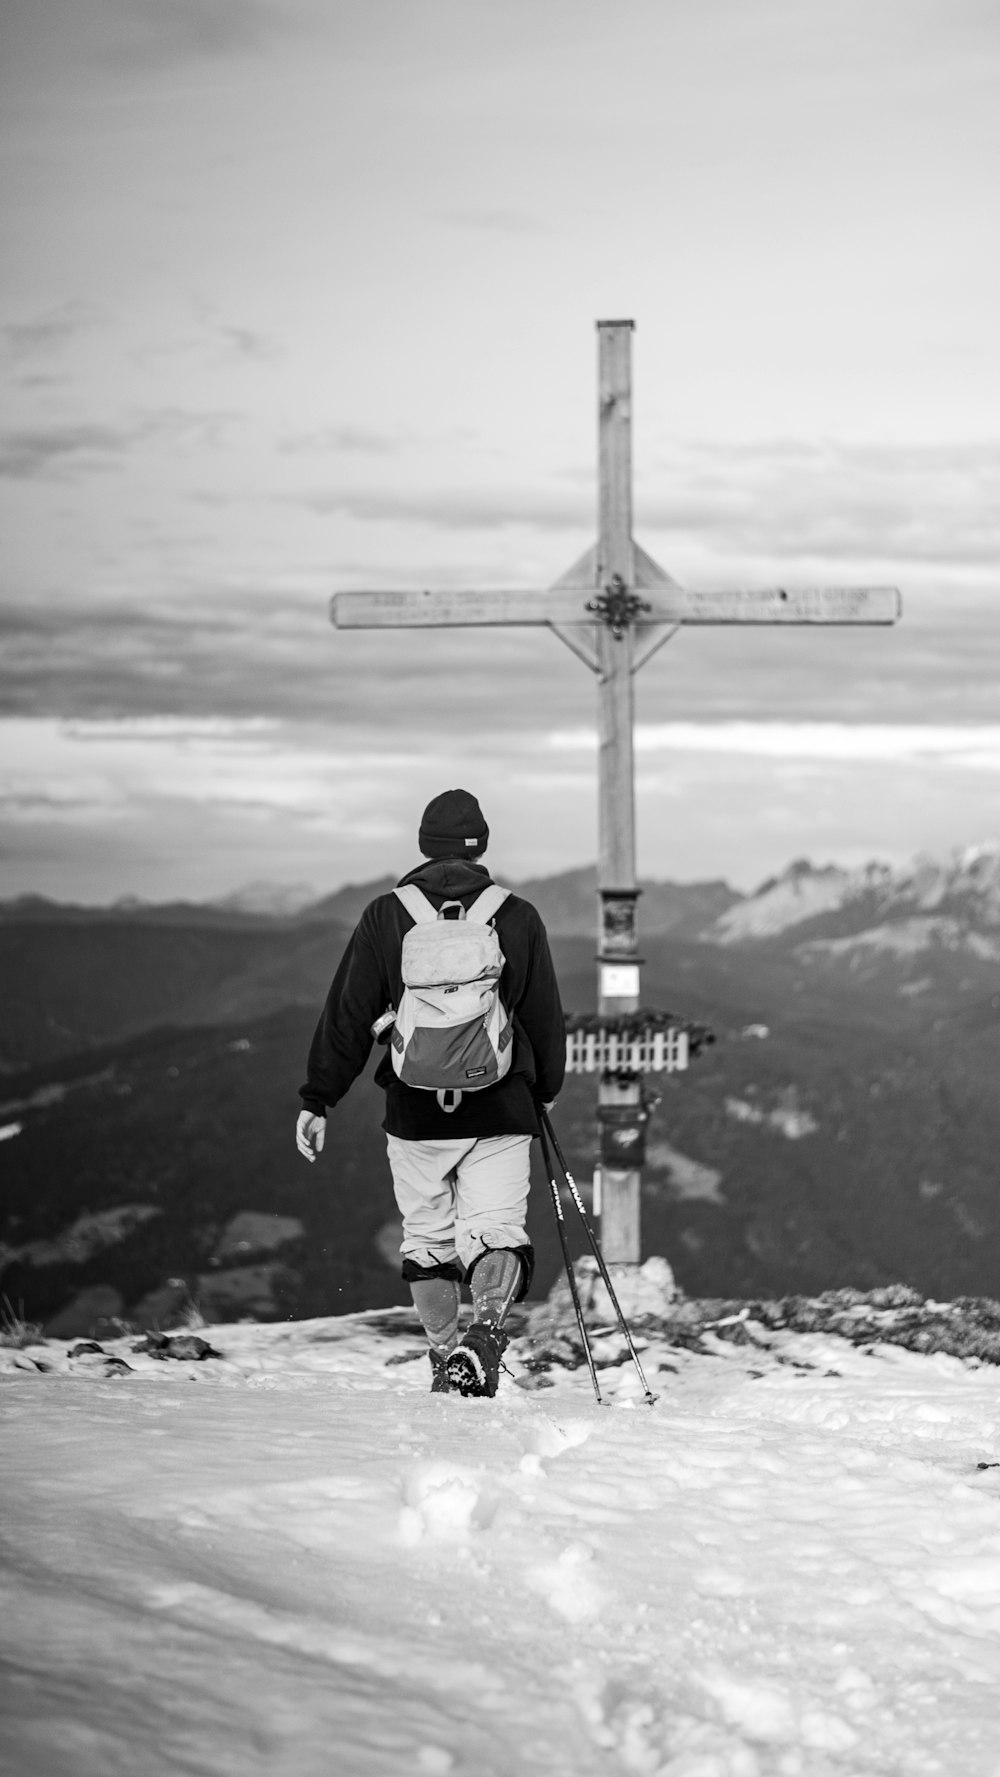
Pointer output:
x,y
950,901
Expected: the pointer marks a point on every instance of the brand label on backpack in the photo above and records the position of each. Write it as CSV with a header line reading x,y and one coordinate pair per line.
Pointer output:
x,y
452,1031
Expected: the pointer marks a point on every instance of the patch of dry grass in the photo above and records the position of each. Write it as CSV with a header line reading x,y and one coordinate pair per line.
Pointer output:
x,y
15,1331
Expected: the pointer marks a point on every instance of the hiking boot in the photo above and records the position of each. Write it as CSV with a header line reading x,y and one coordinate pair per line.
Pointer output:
x,y
474,1365
440,1380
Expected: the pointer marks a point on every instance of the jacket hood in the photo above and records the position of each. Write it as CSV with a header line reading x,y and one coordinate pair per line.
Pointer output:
x,y
449,877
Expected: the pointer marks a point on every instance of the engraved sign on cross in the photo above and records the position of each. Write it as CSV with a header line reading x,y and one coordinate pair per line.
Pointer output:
x,y
614,608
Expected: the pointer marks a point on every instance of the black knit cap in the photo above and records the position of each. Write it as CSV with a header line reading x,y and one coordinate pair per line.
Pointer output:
x,y
452,826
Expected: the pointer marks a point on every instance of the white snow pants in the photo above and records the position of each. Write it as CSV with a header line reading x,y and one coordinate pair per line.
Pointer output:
x,y
459,1197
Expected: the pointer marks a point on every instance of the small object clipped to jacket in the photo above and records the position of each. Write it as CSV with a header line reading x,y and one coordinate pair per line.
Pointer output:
x,y
452,1032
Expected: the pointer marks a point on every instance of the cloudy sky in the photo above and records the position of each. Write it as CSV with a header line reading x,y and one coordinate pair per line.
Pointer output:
x,y
299,295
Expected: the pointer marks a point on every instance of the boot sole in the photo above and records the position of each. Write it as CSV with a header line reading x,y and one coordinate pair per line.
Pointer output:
x,y
466,1374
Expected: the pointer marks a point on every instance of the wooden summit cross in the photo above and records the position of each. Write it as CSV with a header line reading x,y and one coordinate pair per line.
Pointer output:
x,y
614,608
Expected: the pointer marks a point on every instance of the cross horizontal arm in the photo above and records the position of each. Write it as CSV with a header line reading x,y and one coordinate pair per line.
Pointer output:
x,y
440,610
661,604
784,604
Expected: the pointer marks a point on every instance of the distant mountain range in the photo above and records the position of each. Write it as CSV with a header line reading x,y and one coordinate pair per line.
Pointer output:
x,y
77,977
567,903
954,902
844,1129
929,931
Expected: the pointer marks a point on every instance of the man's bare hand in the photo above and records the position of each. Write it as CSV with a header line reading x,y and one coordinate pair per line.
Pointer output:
x,y
310,1134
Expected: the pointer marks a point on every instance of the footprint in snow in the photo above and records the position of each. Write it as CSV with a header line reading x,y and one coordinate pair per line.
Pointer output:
x,y
551,1437
568,1584
443,1502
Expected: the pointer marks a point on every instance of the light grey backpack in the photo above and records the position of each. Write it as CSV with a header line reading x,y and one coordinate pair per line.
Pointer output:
x,y
452,1032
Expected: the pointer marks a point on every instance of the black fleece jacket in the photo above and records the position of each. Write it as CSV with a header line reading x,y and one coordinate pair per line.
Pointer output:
x,y
368,981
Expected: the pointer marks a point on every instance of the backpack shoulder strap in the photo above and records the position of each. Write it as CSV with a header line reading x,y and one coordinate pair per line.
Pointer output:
x,y
416,903
487,905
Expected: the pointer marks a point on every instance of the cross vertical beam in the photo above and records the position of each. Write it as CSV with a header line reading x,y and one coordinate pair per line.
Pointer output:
x,y
616,800
618,963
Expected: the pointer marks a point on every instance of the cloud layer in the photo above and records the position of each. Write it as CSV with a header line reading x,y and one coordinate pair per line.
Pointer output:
x,y
195,806
300,298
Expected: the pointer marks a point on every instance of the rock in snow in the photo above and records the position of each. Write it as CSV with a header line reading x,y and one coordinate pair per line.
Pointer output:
x,y
305,1565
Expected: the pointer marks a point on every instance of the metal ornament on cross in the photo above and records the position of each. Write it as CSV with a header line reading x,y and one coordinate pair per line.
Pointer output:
x,y
614,608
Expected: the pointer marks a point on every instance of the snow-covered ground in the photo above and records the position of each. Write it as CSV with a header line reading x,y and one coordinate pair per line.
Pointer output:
x,y
293,1560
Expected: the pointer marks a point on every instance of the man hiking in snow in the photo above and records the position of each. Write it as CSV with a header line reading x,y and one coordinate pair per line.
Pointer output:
x,y
455,975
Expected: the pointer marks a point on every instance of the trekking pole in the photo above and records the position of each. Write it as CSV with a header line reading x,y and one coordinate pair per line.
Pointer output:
x,y
574,1292
595,1249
